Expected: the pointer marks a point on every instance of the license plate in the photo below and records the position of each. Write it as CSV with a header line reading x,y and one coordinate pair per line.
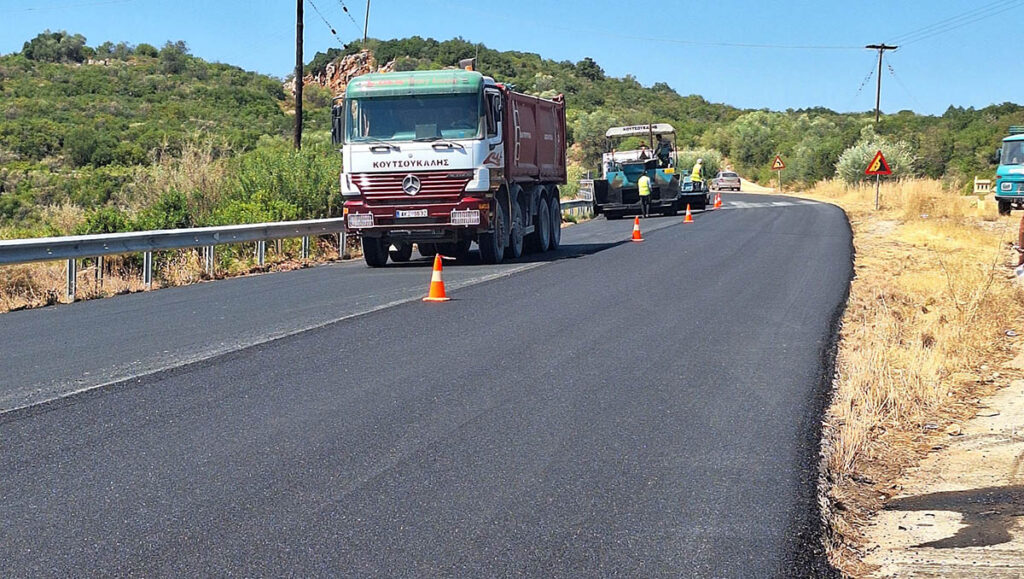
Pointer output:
x,y
405,213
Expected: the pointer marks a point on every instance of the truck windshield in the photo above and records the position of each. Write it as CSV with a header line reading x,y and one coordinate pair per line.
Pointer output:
x,y
408,118
1013,153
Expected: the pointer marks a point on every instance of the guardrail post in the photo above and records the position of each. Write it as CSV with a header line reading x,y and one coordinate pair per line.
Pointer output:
x,y
261,253
305,247
342,243
99,271
147,269
208,258
72,279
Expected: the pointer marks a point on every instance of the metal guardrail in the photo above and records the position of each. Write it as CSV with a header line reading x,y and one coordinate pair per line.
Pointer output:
x,y
577,207
75,247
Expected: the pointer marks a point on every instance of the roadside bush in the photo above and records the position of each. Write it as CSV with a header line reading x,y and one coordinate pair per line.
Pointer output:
x,y
103,220
712,161
852,163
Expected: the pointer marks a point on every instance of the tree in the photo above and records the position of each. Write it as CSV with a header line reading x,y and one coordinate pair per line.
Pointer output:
x,y
855,160
174,57
55,47
589,69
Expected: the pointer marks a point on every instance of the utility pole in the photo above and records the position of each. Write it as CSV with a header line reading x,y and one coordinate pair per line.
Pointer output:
x,y
881,48
298,74
366,23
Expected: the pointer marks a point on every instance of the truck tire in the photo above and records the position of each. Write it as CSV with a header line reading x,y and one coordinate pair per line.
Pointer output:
x,y
375,251
427,249
540,239
555,213
492,244
1005,207
402,252
514,250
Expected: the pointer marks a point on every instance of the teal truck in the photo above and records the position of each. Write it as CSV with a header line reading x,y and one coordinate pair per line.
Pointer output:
x,y
1009,186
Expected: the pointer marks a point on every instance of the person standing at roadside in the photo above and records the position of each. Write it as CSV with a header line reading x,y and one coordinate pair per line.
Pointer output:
x,y
644,185
697,175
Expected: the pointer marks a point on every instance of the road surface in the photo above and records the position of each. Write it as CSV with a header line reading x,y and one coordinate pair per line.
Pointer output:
x,y
623,409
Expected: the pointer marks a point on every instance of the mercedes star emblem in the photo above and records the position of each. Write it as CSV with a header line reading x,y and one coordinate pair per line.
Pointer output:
x,y
411,184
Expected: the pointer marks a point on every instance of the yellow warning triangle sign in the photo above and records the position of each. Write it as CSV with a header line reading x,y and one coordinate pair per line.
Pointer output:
x,y
778,165
878,166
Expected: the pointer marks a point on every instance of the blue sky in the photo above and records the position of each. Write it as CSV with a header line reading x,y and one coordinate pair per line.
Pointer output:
x,y
811,55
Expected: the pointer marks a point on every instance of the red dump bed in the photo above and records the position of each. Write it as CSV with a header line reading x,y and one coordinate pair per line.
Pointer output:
x,y
535,138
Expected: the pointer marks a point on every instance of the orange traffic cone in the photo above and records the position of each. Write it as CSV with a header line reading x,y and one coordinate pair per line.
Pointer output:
x,y
718,201
689,216
636,230
436,293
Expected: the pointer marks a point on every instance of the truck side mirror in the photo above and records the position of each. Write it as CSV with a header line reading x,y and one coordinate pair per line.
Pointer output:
x,y
338,122
999,155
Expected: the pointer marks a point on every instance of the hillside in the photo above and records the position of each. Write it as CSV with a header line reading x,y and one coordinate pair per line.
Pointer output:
x,y
127,137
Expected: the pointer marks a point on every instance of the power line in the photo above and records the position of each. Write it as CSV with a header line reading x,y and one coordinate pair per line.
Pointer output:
x,y
333,31
959,21
892,71
345,9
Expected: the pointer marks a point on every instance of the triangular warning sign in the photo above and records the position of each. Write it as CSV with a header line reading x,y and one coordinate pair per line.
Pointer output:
x,y
878,166
778,165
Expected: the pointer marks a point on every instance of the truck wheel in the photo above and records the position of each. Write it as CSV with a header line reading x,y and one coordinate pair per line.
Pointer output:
x,y
492,244
427,249
401,253
375,251
514,249
1005,207
540,239
555,219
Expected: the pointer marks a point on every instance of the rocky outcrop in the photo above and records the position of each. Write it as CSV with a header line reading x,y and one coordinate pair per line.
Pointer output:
x,y
337,74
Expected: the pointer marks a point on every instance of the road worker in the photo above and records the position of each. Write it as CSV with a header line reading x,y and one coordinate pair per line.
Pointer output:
x,y
644,185
697,175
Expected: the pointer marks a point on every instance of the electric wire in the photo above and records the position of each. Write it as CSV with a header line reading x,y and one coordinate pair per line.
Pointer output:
x,y
333,31
899,81
958,21
348,13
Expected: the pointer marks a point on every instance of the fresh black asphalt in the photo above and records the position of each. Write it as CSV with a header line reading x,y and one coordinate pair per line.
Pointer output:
x,y
643,410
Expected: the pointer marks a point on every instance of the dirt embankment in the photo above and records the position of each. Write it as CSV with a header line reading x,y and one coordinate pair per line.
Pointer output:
x,y
930,328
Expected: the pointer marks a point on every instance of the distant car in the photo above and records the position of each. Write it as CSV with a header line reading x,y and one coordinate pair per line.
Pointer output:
x,y
726,180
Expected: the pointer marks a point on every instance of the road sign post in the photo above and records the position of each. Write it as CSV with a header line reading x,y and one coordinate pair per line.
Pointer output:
x,y
779,165
878,167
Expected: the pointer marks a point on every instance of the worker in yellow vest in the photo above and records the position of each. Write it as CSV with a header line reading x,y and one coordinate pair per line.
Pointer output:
x,y
697,175
644,184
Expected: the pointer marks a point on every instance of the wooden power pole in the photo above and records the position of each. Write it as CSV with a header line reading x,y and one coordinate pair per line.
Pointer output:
x,y
298,74
881,48
366,23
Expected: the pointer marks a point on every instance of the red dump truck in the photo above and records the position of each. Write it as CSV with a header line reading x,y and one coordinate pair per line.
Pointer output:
x,y
446,158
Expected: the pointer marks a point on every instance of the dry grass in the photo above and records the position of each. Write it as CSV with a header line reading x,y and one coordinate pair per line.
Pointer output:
x,y
925,325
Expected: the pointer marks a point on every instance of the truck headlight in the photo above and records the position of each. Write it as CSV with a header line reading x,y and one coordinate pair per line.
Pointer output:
x,y
481,180
348,188
1006,186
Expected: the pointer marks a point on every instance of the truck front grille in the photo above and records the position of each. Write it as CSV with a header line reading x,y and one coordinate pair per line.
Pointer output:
x,y
435,187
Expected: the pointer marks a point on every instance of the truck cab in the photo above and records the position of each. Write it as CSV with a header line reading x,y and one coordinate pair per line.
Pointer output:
x,y
1009,187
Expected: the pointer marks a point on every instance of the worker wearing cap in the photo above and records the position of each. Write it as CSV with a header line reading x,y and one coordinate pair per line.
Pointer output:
x,y
697,175
644,185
